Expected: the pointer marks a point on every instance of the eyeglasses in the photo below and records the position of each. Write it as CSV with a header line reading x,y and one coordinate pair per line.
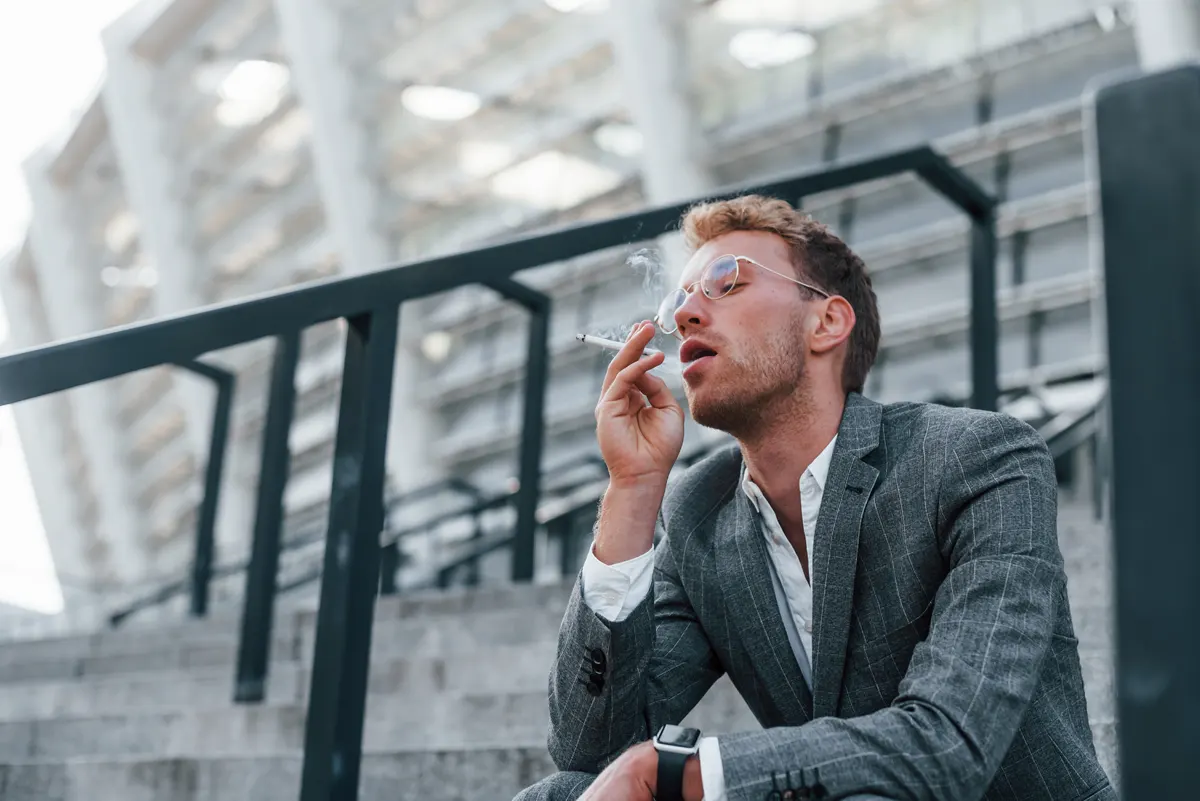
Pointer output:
x,y
718,280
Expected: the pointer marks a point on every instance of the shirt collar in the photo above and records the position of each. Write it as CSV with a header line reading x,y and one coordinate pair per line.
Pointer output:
x,y
819,470
820,466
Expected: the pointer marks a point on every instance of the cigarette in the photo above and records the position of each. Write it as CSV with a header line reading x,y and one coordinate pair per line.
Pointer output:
x,y
609,344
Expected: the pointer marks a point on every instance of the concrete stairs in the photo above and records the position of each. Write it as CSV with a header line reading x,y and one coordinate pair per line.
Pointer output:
x,y
1087,551
457,707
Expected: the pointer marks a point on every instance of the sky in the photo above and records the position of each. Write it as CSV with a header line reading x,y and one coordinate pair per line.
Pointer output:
x,y
51,62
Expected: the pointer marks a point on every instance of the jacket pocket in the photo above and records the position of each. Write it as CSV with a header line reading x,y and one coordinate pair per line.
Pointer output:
x,y
1100,791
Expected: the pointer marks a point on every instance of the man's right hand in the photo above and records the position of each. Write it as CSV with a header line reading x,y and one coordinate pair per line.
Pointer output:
x,y
639,426
639,442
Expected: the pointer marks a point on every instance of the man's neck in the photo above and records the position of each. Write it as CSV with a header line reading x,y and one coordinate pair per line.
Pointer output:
x,y
778,456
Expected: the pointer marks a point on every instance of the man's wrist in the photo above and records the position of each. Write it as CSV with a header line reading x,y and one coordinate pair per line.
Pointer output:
x,y
626,522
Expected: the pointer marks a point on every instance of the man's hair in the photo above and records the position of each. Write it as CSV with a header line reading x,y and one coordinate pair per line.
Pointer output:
x,y
819,257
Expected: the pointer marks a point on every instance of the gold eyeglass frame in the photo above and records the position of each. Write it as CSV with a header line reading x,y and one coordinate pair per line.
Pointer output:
x,y
737,273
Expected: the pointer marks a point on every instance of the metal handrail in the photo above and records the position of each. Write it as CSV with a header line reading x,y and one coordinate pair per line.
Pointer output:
x,y
34,372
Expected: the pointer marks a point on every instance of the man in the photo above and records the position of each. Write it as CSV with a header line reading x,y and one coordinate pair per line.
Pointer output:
x,y
882,584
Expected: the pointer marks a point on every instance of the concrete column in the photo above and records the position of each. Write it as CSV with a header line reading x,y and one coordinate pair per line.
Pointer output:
x,y
71,281
41,428
314,36
648,46
141,136
1167,32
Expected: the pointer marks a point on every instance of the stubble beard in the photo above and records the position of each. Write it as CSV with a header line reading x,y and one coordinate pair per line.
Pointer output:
x,y
753,390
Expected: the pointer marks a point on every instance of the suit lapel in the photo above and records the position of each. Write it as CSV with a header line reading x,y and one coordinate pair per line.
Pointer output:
x,y
746,581
835,547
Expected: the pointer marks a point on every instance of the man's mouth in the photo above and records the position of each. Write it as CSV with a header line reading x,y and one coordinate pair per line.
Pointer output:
x,y
693,350
694,355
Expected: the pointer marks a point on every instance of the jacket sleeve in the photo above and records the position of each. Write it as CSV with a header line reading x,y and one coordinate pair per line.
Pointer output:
x,y
609,684
970,681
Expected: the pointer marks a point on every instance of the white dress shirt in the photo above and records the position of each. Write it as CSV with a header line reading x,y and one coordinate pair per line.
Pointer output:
x,y
614,591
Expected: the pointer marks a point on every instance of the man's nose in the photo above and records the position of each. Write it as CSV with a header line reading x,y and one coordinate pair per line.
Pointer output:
x,y
692,312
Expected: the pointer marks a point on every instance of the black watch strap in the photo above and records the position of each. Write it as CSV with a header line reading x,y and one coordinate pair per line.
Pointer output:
x,y
670,776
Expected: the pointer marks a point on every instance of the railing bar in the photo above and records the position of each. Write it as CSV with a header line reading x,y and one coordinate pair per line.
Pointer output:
x,y
532,434
206,520
258,610
350,575
984,325
63,365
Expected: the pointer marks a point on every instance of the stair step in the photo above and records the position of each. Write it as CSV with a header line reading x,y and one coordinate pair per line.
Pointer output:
x,y
495,774
508,668
135,693
395,721
1104,736
473,633
451,775
392,637
445,720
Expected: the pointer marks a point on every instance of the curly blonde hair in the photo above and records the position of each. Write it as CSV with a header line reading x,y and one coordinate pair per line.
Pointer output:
x,y
818,256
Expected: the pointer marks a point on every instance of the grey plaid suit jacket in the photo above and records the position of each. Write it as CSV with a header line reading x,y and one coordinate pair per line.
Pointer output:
x,y
944,660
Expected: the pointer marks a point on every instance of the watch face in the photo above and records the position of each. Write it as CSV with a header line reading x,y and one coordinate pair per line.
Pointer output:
x,y
679,736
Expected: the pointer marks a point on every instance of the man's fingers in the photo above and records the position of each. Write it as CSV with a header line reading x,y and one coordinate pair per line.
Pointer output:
x,y
626,379
627,404
656,391
630,354
634,400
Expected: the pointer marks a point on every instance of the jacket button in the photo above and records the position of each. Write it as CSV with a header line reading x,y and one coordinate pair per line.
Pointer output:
x,y
598,658
595,687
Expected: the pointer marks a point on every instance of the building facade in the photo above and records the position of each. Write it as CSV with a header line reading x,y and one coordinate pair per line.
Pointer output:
x,y
237,148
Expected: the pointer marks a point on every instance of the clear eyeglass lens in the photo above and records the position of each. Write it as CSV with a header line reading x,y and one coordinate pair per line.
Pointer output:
x,y
666,311
719,277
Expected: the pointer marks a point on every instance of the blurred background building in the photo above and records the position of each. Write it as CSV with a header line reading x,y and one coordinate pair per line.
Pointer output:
x,y
238,147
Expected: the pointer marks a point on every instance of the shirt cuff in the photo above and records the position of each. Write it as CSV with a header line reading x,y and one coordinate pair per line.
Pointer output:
x,y
711,772
614,591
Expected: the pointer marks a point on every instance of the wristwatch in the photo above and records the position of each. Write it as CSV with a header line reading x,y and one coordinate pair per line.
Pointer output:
x,y
674,745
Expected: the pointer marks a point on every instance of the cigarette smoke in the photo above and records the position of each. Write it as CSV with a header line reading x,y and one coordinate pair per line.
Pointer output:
x,y
648,264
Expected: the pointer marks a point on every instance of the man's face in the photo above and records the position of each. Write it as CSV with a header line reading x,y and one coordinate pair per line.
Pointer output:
x,y
757,332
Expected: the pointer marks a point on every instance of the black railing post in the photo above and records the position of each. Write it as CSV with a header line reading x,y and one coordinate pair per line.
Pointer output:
x,y
1148,158
389,563
563,527
258,609
958,188
341,654
206,521
476,538
532,434
985,327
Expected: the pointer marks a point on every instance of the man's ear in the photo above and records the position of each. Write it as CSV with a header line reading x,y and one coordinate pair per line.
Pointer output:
x,y
834,325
